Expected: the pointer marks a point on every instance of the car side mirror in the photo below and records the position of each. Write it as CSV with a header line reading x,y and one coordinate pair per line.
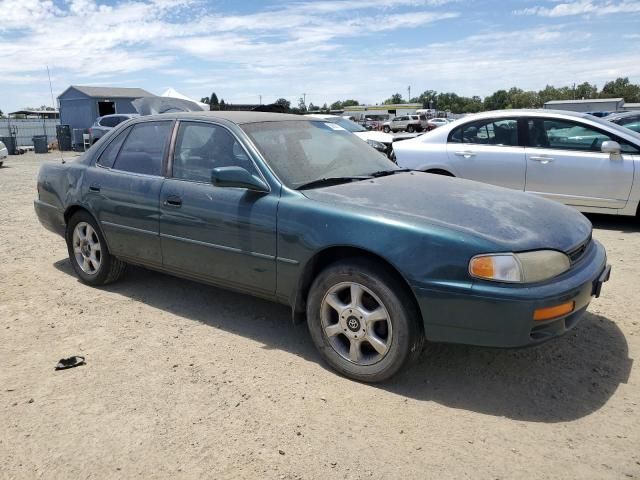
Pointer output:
x,y
237,177
611,147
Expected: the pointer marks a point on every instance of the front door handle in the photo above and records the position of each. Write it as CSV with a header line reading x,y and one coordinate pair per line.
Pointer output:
x,y
173,201
466,153
543,160
94,187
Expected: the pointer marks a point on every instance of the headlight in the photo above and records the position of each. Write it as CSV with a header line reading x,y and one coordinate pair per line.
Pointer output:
x,y
377,145
528,267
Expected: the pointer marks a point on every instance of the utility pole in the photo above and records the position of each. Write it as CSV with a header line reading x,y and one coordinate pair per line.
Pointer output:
x,y
304,99
409,90
260,99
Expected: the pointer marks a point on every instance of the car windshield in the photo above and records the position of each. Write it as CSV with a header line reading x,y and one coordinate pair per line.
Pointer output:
x,y
349,125
616,127
301,152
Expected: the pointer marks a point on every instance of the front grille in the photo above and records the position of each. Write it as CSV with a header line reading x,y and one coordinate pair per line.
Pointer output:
x,y
577,253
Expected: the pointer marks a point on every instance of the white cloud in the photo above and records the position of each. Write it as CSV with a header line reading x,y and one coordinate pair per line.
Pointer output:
x,y
583,7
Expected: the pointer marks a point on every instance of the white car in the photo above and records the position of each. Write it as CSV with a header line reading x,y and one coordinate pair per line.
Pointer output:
x,y
4,153
574,158
370,136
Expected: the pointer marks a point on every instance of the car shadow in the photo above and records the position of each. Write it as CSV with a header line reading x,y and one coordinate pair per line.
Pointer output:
x,y
562,380
614,222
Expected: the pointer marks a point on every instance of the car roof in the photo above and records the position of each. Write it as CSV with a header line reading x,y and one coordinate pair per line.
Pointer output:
x,y
616,116
238,118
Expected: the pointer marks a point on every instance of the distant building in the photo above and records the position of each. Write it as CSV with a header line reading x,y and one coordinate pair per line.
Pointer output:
x,y
35,114
631,106
80,106
590,105
377,112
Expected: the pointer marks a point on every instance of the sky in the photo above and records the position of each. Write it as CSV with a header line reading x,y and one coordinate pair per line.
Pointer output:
x,y
327,49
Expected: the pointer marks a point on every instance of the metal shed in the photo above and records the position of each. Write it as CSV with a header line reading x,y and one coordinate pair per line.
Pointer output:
x,y
590,105
80,106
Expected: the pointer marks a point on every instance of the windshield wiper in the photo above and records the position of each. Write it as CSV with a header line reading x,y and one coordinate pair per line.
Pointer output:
x,y
384,173
320,182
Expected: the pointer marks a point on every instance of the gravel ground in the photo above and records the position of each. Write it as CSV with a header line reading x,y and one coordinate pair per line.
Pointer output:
x,y
184,381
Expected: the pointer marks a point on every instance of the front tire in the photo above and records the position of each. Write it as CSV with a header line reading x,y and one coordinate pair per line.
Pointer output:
x,y
411,129
88,252
363,323
386,129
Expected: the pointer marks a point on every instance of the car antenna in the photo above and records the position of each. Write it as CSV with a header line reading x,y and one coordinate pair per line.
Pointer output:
x,y
53,105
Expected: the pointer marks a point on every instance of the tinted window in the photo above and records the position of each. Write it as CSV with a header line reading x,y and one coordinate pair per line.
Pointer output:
x,y
110,121
502,132
108,156
630,119
201,147
143,150
567,135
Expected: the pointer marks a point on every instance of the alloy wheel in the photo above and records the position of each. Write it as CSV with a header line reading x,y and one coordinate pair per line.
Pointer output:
x,y
86,248
356,323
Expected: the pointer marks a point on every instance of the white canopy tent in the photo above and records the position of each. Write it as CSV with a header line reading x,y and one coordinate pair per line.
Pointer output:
x,y
170,92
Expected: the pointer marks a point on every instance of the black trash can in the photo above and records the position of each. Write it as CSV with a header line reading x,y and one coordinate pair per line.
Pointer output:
x,y
10,143
63,133
40,144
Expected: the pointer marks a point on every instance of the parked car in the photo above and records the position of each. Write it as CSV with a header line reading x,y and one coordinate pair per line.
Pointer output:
x,y
573,158
434,123
379,140
291,209
629,120
598,114
4,153
410,123
103,124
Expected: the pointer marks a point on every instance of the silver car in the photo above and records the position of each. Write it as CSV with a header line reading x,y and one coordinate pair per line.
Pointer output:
x,y
410,123
4,153
103,124
574,158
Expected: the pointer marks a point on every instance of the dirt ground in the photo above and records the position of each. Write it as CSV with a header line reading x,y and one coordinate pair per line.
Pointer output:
x,y
188,381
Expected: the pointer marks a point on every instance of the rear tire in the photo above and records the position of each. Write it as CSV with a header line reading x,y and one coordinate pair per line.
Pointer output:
x,y
386,129
88,252
363,323
411,129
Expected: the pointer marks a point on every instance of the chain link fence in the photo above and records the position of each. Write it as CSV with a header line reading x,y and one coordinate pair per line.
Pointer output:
x,y
25,129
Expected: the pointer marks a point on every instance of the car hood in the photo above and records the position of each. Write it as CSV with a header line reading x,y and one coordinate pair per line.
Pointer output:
x,y
510,220
377,136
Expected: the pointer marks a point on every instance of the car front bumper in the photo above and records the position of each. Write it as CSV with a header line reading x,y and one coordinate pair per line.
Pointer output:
x,y
497,315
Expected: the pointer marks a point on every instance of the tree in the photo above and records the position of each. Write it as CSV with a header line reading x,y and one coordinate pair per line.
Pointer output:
x,y
324,107
286,104
302,108
586,90
350,103
221,105
337,105
621,87
426,98
313,108
497,101
205,100
394,99
213,102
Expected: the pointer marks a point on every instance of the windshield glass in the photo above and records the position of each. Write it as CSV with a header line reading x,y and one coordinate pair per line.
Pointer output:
x,y
616,127
300,152
349,125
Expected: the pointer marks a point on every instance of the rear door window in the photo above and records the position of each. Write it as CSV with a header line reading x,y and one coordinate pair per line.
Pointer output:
x,y
144,149
500,132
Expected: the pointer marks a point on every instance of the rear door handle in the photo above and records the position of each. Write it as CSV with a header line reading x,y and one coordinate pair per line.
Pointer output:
x,y
94,187
466,154
173,201
541,159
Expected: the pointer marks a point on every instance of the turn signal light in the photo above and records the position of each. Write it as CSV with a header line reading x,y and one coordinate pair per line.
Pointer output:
x,y
556,311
